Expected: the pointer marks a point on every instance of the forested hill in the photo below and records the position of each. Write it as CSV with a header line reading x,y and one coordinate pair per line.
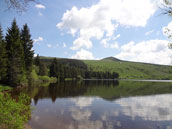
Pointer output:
x,y
126,69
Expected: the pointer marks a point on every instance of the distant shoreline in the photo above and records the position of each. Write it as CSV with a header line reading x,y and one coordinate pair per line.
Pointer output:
x,y
142,80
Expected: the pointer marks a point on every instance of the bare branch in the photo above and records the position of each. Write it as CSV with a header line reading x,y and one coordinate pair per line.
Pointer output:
x,y
18,5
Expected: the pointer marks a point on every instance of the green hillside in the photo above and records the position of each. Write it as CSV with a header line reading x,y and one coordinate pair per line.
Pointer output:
x,y
126,69
131,70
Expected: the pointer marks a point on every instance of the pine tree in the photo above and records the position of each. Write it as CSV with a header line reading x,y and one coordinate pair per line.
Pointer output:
x,y
43,71
15,54
3,57
27,45
37,61
54,68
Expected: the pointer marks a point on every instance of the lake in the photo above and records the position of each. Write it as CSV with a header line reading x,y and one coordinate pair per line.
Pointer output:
x,y
102,105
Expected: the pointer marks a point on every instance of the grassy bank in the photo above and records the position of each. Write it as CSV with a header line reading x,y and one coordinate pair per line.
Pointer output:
x,y
14,113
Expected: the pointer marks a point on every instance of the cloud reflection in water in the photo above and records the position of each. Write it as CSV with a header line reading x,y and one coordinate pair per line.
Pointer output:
x,y
152,108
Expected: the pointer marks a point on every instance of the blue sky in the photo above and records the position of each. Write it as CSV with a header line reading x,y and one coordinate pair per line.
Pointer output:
x,y
132,30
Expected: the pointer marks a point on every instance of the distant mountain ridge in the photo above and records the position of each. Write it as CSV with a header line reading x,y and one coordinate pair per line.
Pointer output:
x,y
111,59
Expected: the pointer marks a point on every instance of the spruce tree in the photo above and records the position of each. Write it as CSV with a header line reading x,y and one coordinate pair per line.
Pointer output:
x,y
54,69
27,45
43,71
15,73
37,61
3,57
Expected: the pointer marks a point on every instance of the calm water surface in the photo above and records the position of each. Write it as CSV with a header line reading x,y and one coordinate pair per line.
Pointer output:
x,y
102,105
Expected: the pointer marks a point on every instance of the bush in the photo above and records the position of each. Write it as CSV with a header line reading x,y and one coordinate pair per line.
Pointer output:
x,y
13,114
44,78
34,75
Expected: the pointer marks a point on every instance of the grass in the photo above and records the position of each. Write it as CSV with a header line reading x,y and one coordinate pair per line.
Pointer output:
x,y
4,88
131,70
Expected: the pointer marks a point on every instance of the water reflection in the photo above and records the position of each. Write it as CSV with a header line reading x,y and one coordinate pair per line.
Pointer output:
x,y
153,108
102,105
82,101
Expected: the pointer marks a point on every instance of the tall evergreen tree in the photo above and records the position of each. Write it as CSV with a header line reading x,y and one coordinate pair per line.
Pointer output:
x,y
37,60
54,69
43,71
27,45
15,54
3,57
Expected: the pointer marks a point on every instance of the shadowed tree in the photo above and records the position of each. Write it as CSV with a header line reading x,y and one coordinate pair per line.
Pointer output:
x,y
27,45
54,69
15,54
3,57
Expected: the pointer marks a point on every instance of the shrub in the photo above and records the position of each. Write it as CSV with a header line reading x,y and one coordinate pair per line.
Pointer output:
x,y
14,113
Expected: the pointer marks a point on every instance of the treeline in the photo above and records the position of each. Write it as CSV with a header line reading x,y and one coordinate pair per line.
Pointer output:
x,y
78,71
16,55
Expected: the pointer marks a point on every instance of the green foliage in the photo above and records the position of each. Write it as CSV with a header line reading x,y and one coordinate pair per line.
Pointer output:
x,y
47,79
34,75
44,78
14,113
4,88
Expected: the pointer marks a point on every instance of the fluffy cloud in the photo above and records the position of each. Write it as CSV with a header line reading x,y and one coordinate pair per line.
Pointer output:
x,y
40,6
114,45
83,54
103,18
81,42
152,51
106,44
38,39
167,31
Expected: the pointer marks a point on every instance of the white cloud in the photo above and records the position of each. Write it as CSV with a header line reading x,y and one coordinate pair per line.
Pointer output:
x,y
149,32
152,51
116,37
81,42
106,44
38,39
103,18
83,54
167,31
49,45
40,6
114,45
64,45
